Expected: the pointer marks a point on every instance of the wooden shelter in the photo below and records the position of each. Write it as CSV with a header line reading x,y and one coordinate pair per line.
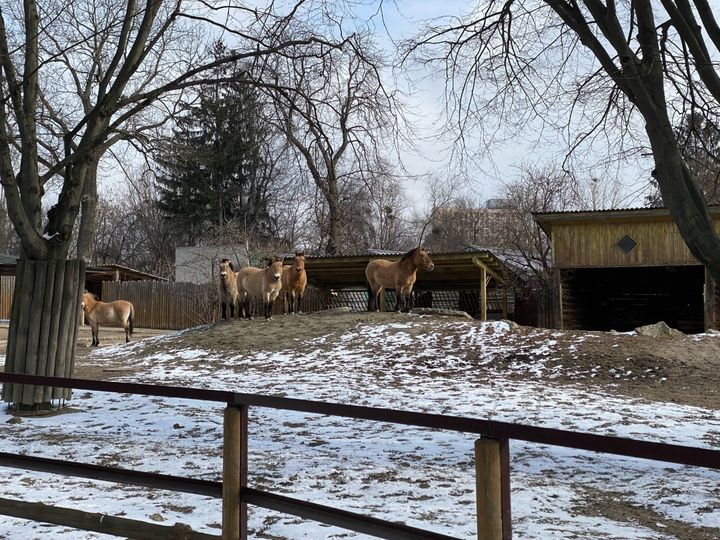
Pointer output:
x,y
478,280
94,278
620,269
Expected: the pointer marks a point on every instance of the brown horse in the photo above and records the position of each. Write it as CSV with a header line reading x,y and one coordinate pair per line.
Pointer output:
x,y
399,275
264,282
227,288
294,281
117,312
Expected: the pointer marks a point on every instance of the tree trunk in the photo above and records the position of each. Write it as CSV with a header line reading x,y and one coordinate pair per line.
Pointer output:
x,y
88,221
683,198
43,328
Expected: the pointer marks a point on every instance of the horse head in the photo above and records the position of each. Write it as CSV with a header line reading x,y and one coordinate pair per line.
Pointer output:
x,y
422,259
299,261
275,269
88,299
224,266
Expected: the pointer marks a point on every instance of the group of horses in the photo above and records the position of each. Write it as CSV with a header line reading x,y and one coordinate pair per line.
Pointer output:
x,y
236,289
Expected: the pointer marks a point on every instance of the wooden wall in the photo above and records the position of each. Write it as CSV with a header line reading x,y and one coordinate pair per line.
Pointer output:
x,y
594,244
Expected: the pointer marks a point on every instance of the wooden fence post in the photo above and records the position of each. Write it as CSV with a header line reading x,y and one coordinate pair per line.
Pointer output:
x,y
492,477
234,511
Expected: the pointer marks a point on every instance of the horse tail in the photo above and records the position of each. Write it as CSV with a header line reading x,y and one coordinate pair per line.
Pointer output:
x,y
131,319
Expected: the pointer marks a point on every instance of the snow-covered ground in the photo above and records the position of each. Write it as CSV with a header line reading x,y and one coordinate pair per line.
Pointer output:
x,y
422,477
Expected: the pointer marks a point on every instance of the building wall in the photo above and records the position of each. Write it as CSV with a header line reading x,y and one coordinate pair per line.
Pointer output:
x,y
585,245
198,264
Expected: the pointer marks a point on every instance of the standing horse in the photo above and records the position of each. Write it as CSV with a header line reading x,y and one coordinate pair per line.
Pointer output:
x,y
294,281
264,282
399,275
117,312
227,288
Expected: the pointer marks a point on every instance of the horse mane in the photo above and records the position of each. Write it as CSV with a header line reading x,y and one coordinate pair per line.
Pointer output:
x,y
410,254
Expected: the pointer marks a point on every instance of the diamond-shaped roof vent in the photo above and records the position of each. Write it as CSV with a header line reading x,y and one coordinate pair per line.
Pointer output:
x,y
627,244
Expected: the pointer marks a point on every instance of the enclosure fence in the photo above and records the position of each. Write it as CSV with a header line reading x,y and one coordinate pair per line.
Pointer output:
x,y
492,465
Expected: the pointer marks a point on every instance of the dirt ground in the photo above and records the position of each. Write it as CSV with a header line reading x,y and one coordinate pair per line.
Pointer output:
x,y
679,369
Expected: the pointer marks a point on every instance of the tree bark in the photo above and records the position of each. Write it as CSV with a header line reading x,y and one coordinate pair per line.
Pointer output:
x,y
88,208
43,328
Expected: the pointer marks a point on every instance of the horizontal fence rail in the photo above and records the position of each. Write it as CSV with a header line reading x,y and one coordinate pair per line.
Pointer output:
x,y
501,431
655,451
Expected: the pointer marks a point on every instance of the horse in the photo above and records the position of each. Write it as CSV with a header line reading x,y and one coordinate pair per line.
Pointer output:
x,y
399,275
118,312
294,281
227,288
264,282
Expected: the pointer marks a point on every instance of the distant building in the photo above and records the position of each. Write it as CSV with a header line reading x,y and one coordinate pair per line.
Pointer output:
x,y
198,264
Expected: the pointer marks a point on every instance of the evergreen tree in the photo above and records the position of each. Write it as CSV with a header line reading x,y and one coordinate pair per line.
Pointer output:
x,y
214,168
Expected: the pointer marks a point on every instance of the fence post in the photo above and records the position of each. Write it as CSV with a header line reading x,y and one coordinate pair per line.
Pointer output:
x,y
492,477
234,511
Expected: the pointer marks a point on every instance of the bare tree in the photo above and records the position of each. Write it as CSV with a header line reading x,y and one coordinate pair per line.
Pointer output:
x,y
337,113
593,69
545,189
119,90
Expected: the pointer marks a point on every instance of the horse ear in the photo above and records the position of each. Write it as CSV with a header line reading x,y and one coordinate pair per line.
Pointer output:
x,y
300,253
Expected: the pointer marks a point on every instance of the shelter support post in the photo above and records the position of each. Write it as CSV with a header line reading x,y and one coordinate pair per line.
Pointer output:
x,y
234,511
492,477
483,294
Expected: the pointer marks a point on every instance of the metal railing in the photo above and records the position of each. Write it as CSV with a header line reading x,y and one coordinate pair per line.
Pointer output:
x,y
491,458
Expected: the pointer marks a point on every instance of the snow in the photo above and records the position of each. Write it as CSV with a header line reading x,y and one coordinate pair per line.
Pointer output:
x,y
422,477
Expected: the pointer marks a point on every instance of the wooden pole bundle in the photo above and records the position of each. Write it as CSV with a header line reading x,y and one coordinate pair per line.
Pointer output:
x,y
43,328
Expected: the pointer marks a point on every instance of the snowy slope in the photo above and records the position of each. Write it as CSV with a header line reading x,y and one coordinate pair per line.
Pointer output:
x,y
422,477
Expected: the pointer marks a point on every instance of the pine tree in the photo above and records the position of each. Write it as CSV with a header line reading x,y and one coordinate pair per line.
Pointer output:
x,y
214,168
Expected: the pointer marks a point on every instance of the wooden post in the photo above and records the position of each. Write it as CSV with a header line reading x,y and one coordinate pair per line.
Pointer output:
x,y
483,294
505,302
234,511
492,477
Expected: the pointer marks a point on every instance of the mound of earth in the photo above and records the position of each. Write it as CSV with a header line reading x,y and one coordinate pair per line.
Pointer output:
x,y
671,367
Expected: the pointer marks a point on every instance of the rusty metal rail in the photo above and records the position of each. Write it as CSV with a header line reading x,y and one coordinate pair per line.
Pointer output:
x,y
487,429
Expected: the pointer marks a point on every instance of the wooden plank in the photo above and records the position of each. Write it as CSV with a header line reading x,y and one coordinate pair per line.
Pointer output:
x,y
489,494
100,523
234,510
57,299
36,311
7,389
24,299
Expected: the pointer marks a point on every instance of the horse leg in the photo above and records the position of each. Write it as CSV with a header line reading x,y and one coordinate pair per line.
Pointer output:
x,y
94,331
399,298
409,301
223,310
232,311
126,327
292,302
299,299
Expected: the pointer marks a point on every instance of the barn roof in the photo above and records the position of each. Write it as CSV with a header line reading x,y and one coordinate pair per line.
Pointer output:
x,y
453,271
546,220
105,272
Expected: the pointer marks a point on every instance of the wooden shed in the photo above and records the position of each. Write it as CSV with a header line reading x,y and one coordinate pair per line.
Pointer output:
x,y
620,269
479,281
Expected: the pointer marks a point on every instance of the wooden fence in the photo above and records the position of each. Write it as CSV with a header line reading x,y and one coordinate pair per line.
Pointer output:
x,y
174,306
7,286
492,463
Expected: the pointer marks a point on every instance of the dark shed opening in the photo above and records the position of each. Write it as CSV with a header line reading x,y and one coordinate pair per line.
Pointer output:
x,y
624,298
